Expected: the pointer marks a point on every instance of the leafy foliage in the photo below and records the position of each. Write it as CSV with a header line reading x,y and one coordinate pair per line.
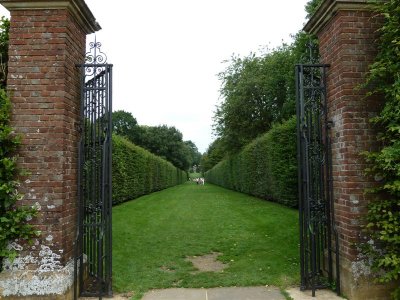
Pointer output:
x,y
137,172
124,124
194,154
12,217
163,141
214,154
266,168
167,142
4,29
257,92
384,212
311,7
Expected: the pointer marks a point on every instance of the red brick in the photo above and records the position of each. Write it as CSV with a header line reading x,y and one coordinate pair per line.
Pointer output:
x,y
347,44
45,46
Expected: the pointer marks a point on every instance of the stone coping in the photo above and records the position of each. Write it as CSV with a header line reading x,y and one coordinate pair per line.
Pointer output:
x,y
78,8
329,8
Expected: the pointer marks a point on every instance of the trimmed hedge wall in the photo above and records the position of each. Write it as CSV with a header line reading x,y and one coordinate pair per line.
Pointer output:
x,y
138,172
265,168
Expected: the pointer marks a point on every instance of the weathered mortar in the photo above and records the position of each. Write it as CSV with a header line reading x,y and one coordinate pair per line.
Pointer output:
x,y
36,275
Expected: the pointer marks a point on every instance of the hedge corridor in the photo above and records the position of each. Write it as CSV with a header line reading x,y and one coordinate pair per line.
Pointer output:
x,y
265,168
138,172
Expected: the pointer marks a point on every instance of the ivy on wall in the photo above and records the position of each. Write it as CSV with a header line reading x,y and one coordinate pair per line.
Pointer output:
x,y
13,218
4,34
383,217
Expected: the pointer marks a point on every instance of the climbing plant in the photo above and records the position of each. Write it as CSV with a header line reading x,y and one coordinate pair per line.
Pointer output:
x,y
383,217
4,30
13,218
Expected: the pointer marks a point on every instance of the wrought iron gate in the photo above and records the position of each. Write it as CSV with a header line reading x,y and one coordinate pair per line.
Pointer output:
x,y
319,248
93,271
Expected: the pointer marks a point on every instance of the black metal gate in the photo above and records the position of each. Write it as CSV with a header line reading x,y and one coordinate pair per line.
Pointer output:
x,y
93,271
319,248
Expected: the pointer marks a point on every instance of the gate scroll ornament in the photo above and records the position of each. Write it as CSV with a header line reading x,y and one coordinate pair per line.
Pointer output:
x,y
93,251
319,247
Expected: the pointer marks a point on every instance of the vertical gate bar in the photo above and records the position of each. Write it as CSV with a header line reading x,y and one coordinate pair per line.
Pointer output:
x,y
109,170
330,190
86,187
99,189
298,72
307,198
297,75
328,177
91,186
321,159
306,181
83,178
78,250
88,184
310,178
102,140
105,180
306,134
91,157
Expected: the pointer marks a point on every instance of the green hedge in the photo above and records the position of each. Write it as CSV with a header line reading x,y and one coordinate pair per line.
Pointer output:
x,y
265,168
137,172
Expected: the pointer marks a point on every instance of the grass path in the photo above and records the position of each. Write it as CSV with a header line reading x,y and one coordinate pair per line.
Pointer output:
x,y
153,235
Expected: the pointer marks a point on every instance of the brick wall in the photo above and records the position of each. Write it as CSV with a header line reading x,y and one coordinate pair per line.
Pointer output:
x,y
348,43
45,45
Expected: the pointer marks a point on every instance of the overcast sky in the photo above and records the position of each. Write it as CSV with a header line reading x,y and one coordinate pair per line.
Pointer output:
x,y
167,54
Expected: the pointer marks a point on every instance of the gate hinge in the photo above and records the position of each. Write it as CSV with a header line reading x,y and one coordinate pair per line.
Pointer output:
x,y
330,124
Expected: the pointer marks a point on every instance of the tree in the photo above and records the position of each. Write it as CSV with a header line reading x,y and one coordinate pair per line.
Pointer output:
x,y
166,142
311,7
161,140
214,154
256,92
124,124
195,155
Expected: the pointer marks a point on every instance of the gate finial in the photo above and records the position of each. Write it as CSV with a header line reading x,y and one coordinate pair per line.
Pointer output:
x,y
312,48
95,55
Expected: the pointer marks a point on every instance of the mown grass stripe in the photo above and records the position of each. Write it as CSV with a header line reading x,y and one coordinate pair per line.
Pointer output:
x,y
156,232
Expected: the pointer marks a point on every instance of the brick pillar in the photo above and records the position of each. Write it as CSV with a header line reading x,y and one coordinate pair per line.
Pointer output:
x,y
347,34
47,40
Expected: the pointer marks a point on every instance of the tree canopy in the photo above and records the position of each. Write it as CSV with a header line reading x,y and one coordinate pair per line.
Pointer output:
x,y
256,91
124,124
311,7
162,140
214,154
259,91
166,142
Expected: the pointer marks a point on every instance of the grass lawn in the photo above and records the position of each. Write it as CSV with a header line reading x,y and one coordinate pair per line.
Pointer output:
x,y
153,235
